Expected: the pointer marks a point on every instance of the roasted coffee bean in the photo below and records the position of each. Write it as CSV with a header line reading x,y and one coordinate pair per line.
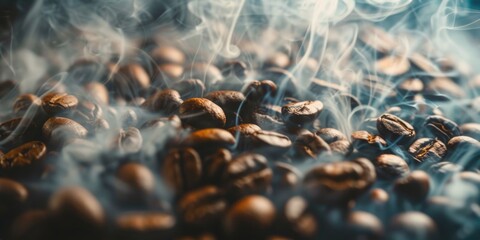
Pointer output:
x,y
471,130
278,59
257,91
301,113
330,135
427,150
189,88
341,146
442,128
202,208
392,65
32,224
209,140
463,142
168,54
137,180
98,92
363,225
229,101
310,145
12,196
285,177
202,113
238,69
206,72
245,129
58,103
440,209
410,86
60,131
412,225
76,212
367,143
216,164
172,121
267,122
130,81
378,196
129,141
414,187
445,86
87,114
271,142
297,220
26,102
250,218
17,131
167,101
377,40
389,166
247,173
182,169
339,182
394,129
144,225
23,160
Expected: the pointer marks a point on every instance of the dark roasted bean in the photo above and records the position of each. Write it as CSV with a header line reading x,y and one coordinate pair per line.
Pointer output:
x,y
471,130
202,113
310,145
229,101
427,150
130,81
210,139
137,180
32,224
411,86
167,101
271,142
16,131
414,187
168,54
330,135
202,208
189,88
144,225
235,68
341,147
13,196
23,160
257,91
98,92
442,128
412,225
247,173
394,129
244,129
301,113
250,218
25,102
363,225
297,221
339,182
378,196
129,141
182,169
60,131
446,86
57,103
285,177
389,166
215,165
367,143
206,72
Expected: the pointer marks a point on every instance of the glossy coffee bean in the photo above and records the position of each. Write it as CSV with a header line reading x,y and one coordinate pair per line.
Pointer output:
x,y
130,81
310,145
297,220
341,146
237,69
243,130
414,187
168,54
392,65
471,130
202,208
167,101
363,225
250,218
215,165
16,131
427,150
258,91
229,101
59,130
98,92
129,141
378,196
209,140
442,128
26,102
202,113
189,88
389,166
271,142
23,160
58,103
367,143
32,224
330,135
339,182
136,179
394,129
144,225
300,113
182,169
285,177
412,225
12,196
247,173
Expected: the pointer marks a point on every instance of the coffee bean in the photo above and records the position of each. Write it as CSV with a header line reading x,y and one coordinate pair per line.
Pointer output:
x,y
206,72
57,103
32,224
247,173
60,131
330,135
232,103
410,86
427,150
341,146
98,92
267,122
77,212
471,130
202,208
297,220
464,142
444,168
378,196
26,102
189,88
182,169
278,59
168,54
172,121
394,129
392,65
301,113
244,130
129,141
363,225
88,114
209,140
137,180
144,225
367,143
257,91
17,131
424,64
320,86
442,128
271,142
24,160
250,218
167,101
13,196
310,145
237,69
412,225
414,187
339,182
285,177
216,164
202,113
377,40
389,166
445,86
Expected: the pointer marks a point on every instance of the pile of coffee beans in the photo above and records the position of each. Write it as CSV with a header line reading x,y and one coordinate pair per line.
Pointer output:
x,y
171,146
